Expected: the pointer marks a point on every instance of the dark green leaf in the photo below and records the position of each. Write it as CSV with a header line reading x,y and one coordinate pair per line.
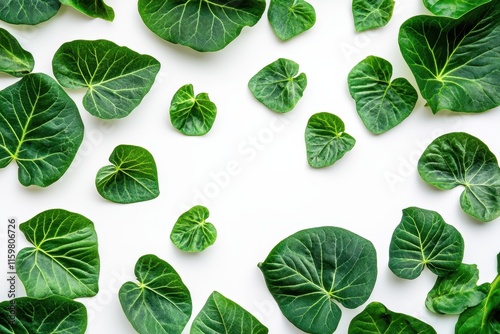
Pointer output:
x,y
92,8
370,14
452,8
14,60
28,11
311,269
290,18
40,128
191,232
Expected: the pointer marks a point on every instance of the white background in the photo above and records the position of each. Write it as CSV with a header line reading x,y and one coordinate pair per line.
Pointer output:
x,y
272,192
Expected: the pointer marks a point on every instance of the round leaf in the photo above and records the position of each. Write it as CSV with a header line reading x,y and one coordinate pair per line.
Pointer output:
x,y
289,18
452,8
14,60
28,11
92,8
370,14
191,232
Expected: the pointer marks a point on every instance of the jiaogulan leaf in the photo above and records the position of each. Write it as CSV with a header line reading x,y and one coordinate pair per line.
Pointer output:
x,y
311,270
14,60
117,77
64,260
40,128
221,315
326,141
376,318
132,177
159,303
370,14
458,158
54,315
455,292
456,63
278,85
290,18
28,11
199,24
380,103
452,8
192,116
191,232
422,239
92,8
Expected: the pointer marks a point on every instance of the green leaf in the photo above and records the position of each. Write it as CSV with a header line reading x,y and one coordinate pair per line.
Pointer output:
x,y
160,303
455,292
424,239
14,60
191,232
458,158
92,8
193,116
40,128
452,8
289,18
370,14
199,24
117,77
380,103
64,260
456,63
132,177
311,269
326,141
376,318
28,11
278,85
221,315
55,315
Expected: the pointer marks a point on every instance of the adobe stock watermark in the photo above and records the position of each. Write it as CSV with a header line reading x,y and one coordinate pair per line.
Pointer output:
x,y
106,294
264,309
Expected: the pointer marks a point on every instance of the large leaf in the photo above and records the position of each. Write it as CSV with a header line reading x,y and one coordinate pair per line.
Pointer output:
x,y
64,260
28,11
421,239
370,14
326,141
452,8
278,85
40,128
92,8
160,303
54,315
456,63
14,60
221,315
132,177
117,77
199,24
376,318
461,159
290,18
380,103
191,232
311,269
192,115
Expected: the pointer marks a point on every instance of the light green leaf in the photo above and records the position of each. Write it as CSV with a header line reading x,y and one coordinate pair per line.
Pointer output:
x,y
456,63
290,18
380,103
458,158
326,141
117,77
40,128
160,303
132,177
193,116
424,239
191,232
452,8
221,315
199,24
278,85
311,269
92,8
54,315
64,260
370,14
28,11
14,60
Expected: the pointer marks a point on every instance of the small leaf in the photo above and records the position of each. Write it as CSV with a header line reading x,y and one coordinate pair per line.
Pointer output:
x,y
14,60
278,85
289,18
28,11
370,14
452,8
221,315
191,232
92,8
160,303
424,239
132,178
326,141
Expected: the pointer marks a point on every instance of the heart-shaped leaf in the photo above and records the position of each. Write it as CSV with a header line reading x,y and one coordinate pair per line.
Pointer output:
x,y
191,232
452,8
311,269
117,77
28,11
290,18
40,128
160,303
458,158
92,8
380,103
14,60
370,14
64,260
132,177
